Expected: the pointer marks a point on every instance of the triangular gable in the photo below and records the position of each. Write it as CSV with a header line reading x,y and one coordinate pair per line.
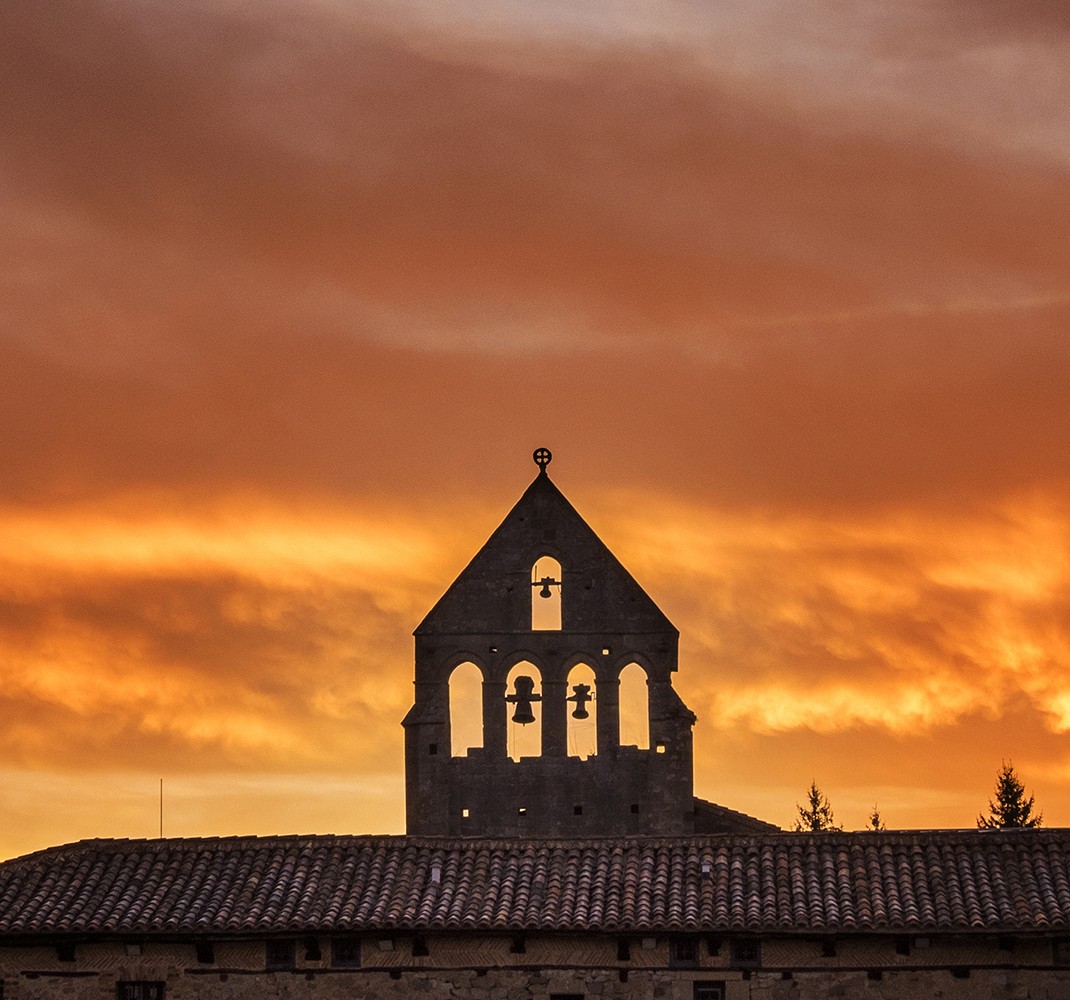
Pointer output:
x,y
493,594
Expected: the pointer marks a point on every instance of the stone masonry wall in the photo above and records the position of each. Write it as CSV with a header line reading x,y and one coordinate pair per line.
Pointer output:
x,y
509,984
487,967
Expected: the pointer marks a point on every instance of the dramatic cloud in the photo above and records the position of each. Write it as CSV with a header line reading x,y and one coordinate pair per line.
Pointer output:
x,y
292,289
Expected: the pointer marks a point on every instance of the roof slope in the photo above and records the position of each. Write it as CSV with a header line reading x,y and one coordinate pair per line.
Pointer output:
x,y
493,592
880,882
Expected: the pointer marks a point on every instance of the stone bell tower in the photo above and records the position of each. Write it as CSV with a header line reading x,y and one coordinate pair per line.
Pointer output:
x,y
489,617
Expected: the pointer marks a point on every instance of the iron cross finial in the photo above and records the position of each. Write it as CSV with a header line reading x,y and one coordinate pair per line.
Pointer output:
x,y
542,457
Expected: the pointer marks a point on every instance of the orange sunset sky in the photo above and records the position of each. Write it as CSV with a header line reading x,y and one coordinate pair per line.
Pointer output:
x,y
291,289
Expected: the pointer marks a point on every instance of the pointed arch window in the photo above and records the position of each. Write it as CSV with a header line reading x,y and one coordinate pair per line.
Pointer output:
x,y
582,720
546,595
634,707
524,727
466,708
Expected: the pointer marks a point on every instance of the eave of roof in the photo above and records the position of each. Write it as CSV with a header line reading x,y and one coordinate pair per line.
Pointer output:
x,y
887,882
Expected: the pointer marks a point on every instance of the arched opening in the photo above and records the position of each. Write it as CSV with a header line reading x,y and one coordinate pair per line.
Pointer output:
x,y
546,595
523,692
466,709
634,709
582,709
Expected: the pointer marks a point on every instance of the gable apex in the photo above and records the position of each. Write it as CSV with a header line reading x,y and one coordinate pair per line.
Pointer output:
x,y
494,591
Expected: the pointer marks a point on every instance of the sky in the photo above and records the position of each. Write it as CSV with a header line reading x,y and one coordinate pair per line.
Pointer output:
x,y
291,290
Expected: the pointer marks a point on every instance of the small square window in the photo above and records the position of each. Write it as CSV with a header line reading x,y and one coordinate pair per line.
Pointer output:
x,y
683,952
606,651
419,948
345,952
659,747
707,989
746,952
205,952
635,808
433,750
312,950
465,813
577,810
522,810
65,951
280,953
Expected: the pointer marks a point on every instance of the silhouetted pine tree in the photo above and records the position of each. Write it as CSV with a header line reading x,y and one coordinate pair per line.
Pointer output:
x,y
1010,808
816,816
875,821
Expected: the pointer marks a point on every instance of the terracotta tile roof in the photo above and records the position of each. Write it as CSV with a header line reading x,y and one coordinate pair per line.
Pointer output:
x,y
883,882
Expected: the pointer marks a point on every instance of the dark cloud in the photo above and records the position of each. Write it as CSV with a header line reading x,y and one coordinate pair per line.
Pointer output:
x,y
632,186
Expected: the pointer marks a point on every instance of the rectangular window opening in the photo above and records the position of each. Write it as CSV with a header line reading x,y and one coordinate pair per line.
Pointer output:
x,y
746,952
521,810
139,989
206,952
707,989
345,952
660,746
624,950
433,750
635,808
419,947
280,953
577,810
465,813
1060,949
683,952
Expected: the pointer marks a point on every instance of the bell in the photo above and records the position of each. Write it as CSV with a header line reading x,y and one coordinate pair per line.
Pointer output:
x,y
545,592
579,712
522,697
523,714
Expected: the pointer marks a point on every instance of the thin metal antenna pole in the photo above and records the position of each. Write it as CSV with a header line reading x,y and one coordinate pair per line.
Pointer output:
x,y
161,809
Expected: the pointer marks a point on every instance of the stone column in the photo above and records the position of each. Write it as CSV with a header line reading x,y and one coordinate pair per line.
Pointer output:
x,y
554,718
494,719
607,697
